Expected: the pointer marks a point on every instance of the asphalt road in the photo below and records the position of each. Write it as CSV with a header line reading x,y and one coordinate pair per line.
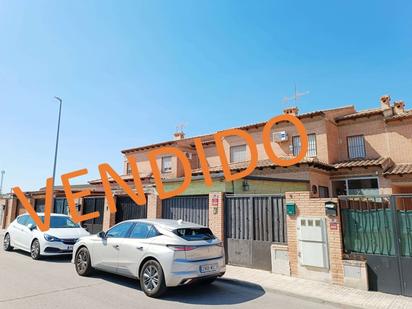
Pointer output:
x,y
53,283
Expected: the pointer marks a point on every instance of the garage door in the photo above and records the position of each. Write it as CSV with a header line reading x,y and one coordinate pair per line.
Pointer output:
x,y
252,224
127,209
194,208
90,205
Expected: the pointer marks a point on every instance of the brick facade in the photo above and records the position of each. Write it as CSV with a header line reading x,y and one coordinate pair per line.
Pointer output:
x,y
387,133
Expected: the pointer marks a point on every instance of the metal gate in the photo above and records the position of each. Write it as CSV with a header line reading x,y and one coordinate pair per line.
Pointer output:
x,y
92,204
193,208
61,206
39,204
127,209
379,228
252,224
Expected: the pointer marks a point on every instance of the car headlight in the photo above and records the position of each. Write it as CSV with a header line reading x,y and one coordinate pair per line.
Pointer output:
x,y
51,238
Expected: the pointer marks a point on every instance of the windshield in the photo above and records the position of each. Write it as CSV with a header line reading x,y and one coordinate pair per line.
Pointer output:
x,y
61,222
193,234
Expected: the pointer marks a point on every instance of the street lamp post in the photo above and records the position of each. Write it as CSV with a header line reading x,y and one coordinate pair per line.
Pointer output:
x,y
57,146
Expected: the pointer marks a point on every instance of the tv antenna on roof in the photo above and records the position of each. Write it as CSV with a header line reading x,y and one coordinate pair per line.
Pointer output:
x,y
296,96
180,127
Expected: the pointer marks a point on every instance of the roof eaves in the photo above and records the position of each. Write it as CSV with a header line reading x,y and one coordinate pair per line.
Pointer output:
x,y
360,114
405,115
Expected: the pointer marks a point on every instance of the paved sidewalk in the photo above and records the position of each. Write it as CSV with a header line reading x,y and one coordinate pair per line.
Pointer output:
x,y
317,290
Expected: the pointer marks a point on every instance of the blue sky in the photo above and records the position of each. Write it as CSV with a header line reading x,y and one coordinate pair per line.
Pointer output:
x,y
130,71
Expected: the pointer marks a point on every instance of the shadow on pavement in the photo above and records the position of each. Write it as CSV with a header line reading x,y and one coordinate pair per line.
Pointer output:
x,y
221,292
50,259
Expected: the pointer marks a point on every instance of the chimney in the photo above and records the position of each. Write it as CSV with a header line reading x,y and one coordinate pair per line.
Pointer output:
x,y
398,107
385,102
291,111
179,135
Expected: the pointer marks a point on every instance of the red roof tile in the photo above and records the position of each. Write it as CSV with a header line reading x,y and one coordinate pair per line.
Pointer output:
x,y
400,169
262,164
363,163
404,115
365,113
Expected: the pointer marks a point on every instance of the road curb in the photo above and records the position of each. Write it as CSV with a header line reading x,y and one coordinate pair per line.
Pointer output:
x,y
252,285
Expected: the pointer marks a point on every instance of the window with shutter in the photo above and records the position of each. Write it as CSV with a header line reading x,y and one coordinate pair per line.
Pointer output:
x,y
237,153
356,147
166,164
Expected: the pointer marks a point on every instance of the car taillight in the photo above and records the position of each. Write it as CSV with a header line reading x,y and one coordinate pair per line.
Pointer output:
x,y
181,248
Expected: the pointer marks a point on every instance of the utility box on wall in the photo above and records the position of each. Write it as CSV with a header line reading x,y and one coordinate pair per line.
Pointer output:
x,y
313,244
291,209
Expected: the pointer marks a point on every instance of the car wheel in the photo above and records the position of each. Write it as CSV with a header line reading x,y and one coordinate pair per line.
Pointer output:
x,y
152,280
208,280
35,250
6,243
83,263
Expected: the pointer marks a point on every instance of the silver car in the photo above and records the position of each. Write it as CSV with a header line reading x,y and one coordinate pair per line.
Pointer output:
x,y
160,253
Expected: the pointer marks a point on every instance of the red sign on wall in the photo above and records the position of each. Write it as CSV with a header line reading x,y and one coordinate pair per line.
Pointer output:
x,y
333,226
215,200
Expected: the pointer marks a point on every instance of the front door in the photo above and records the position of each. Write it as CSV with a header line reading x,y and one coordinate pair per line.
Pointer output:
x,y
133,248
16,234
106,250
27,234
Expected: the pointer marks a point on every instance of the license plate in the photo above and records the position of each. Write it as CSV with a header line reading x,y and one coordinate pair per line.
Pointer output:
x,y
70,248
208,268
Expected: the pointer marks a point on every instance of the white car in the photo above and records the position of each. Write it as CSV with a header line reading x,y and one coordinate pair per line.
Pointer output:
x,y
160,253
23,234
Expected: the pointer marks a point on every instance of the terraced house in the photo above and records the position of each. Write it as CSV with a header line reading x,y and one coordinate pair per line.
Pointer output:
x,y
265,217
350,152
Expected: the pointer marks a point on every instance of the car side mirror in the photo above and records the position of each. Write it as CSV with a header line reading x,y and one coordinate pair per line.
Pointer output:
x,y
31,227
102,235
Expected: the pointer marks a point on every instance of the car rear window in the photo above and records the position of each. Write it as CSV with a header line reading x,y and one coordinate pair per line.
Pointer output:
x,y
192,234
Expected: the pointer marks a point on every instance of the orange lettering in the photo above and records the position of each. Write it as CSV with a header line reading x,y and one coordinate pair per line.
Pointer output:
x,y
203,162
70,196
266,134
152,155
221,151
42,225
139,198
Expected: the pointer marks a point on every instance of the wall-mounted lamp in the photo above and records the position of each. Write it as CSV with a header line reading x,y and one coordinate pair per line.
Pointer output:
x,y
245,185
